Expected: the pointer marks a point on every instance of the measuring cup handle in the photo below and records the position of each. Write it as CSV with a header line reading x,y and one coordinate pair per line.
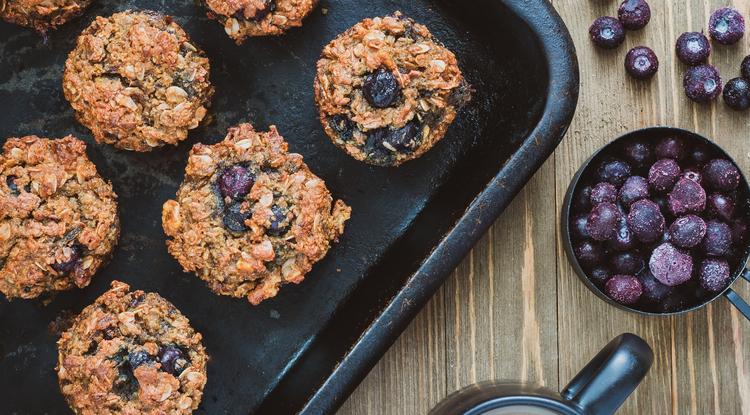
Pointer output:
x,y
735,298
611,376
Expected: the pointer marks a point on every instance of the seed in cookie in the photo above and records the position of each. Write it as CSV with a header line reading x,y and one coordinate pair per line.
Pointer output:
x,y
41,15
250,216
387,90
137,81
58,217
131,353
244,18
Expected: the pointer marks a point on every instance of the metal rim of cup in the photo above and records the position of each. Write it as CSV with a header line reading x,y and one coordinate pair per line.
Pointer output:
x,y
572,187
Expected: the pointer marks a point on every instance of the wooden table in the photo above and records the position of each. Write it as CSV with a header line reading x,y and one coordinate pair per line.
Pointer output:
x,y
514,308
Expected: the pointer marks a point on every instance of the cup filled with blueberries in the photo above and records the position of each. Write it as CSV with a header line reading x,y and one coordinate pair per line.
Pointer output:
x,y
658,222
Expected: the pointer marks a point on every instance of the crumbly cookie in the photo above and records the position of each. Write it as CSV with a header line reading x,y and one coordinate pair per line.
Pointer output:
x,y
58,217
250,216
387,90
131,353
137,81
41,15
243,18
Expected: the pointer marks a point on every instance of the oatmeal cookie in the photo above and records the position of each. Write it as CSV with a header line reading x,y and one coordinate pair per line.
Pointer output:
x,y
243,18
131,353
387,90
41,15
250,216
137,81
58,217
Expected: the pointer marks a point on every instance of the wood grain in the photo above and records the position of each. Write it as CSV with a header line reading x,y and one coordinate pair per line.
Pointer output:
x,y
514,309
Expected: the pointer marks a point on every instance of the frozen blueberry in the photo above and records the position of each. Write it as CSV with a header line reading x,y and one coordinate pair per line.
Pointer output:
x,y
578,229
623,239
634,14
714,274
627,263
720,206
638,152
602,221
739,231
702,83
641,62
687,231
646,221
726,26
138,358
603,192
625,289
718,239
693,48
582,200
235,182
653,289
607,32
634,188
670,265
721,174
589,253
235,217
279,221
614,172
172,360
663,174
599,275
700,154
692,173
670,148
737,94
686,196
74,254
745,67
342,125
381,88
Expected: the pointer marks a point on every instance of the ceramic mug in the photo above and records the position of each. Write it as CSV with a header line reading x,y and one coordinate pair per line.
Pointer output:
x,y
598,389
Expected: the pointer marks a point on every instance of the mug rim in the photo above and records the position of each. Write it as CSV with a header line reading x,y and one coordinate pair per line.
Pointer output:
x,y
575,181
534,401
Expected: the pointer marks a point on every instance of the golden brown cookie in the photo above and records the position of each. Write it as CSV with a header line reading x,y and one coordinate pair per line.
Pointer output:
x,y
41,15
250,216
131,353
243,18
137,81
387,90
58,217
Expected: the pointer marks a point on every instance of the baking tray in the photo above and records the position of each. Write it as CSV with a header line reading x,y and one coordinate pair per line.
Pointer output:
x,y
306,349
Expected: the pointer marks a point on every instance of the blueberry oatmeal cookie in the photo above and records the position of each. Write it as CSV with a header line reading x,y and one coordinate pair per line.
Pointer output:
x,y
131,353
137,81
58,217
243,18
387,90
251,216
41,15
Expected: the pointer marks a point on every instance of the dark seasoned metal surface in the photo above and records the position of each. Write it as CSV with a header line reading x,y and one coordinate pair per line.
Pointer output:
x,y
310,345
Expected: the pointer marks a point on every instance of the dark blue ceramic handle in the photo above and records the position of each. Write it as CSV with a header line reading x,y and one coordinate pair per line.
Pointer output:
x,y
611,376
735,298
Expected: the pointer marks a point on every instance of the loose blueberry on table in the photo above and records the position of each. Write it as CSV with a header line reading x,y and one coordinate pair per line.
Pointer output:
x,y
702,83
634,14
641,62
693,48
657,226
737,94
607,32
726,26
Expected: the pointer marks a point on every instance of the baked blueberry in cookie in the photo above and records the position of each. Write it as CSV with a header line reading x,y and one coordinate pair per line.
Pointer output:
x,y
131,352
245,18
250,216
58,217
137,81
387,90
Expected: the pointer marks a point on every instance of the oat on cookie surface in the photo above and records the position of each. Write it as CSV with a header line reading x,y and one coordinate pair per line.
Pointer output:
x,y
137,81
131,353
41,15
387,90
58,217
250,216
244,18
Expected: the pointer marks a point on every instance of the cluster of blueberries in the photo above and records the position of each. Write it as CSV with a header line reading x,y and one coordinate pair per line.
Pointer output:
x,y
661,227
702,81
